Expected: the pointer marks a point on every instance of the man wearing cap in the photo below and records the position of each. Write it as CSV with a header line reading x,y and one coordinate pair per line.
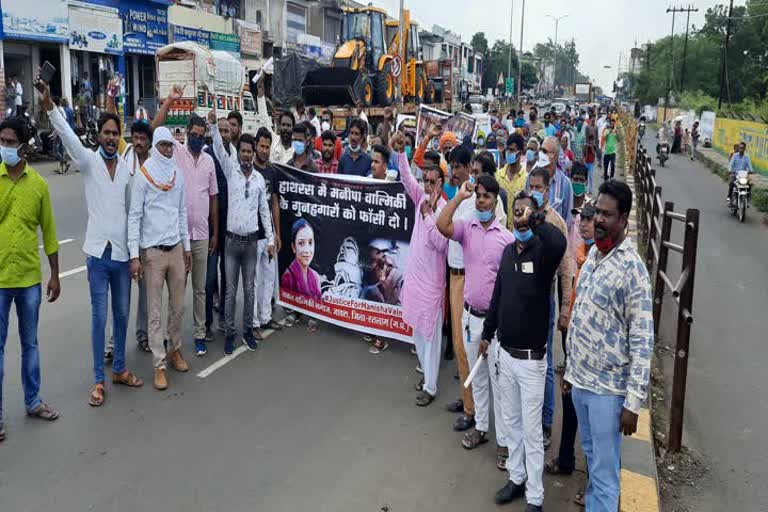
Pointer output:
x,y
158,243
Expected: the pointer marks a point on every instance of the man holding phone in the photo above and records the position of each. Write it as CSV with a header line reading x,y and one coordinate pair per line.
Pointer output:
x,y
106,177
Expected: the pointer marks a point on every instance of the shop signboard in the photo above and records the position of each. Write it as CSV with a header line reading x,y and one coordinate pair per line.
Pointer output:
x,y
145,26
229,43
95,28
196,35
250,38
38,20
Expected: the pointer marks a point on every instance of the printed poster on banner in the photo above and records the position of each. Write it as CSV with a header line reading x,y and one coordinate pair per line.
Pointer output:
x,y
345,248
460,124
95,28
406,122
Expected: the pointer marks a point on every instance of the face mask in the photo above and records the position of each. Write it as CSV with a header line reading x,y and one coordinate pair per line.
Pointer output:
x,y
298,147
10,155
538,197
543,159
435,144
480,142
246,166
485,216
605,245
530,155
532,117
408,151
355,149
579,189
523,237
589,241
511,158
195,143
491,144
107,155
546,122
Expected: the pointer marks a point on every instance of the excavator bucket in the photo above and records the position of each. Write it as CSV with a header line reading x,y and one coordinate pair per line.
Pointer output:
x,y
332,86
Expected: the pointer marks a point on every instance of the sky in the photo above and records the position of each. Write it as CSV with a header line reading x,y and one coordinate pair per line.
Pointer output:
x,y
602,29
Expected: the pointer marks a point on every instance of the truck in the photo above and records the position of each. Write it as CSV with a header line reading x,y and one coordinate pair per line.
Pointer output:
x,y
583,92
206,76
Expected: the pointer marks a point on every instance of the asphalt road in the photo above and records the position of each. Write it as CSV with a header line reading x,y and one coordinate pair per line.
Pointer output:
x,y
726,410
308,422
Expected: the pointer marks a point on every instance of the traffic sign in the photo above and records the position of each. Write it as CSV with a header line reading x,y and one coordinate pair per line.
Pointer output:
x,y
510,86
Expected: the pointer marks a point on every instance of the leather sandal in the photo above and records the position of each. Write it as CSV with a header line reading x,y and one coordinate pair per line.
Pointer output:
x,y
473,439
44,412
127,379
97,395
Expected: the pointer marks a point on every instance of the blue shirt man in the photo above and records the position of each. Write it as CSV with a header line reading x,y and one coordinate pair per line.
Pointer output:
x,y
740,161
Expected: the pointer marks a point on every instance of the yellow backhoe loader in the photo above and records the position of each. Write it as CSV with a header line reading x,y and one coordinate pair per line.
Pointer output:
x,y
407,63
361,70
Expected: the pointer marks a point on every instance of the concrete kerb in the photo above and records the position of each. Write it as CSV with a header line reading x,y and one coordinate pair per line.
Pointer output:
x,y
639,480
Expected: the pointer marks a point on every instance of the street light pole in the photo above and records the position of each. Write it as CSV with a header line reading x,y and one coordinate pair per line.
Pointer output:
x,y
554,66
511,16
520,61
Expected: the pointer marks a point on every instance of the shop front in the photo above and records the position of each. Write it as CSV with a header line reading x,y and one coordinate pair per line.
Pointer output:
x,y
229,43
35,31
145,29
95,43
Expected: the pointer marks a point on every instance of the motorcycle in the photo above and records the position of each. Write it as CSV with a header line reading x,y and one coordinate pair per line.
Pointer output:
x,y
662,152
740,195
641,129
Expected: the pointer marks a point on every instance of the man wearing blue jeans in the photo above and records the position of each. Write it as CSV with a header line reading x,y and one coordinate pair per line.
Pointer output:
x,y
610,342
25,205
106,177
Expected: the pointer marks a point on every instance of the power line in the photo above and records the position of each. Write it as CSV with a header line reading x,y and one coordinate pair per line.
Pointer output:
x,y
689,10
724,59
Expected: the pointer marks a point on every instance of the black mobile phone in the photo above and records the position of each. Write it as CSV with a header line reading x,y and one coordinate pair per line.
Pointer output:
x,y
47,71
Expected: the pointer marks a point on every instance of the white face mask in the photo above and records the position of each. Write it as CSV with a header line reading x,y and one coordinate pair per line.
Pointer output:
x,y
543,160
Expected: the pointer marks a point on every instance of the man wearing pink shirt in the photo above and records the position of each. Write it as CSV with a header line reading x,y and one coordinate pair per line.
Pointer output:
x,y
200,195
483,240
423,293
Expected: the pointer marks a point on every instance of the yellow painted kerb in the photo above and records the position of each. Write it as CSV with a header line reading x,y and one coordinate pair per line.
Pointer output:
x,y
638,493
643,426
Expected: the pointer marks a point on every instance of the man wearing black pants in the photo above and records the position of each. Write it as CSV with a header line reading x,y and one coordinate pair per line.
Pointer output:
x,y
610,146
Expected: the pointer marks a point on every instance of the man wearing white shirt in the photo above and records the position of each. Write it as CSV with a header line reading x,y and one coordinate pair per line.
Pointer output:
x,y
158,243
19,96
105,179
247,205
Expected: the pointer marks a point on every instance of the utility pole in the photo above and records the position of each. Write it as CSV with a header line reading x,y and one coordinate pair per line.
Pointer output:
x,y
671,62
520,62
689,10
511,17
554,66
724,56
402,35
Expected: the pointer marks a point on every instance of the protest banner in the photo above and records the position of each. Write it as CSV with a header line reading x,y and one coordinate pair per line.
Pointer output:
x,y
460,124
406,123
345,247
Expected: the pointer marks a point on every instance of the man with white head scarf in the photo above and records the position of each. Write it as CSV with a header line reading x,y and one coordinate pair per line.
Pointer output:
x,y
158,243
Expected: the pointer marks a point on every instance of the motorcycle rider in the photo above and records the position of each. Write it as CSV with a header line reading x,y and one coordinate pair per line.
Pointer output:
x,y
739,162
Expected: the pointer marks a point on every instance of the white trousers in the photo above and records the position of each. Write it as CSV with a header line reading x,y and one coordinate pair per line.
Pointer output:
x,y
428,351
521,391
265,285
485,381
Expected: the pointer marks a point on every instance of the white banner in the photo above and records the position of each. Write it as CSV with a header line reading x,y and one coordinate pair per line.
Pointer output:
x,y
707,126
95,28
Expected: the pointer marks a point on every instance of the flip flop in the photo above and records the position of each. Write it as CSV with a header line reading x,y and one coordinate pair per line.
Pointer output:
x,y
96,397
378,346
127,379
312,326
44,412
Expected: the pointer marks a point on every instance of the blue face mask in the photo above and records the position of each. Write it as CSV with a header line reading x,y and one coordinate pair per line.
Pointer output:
x,y
524,237
530,155
511,158
485,216
107,155
298,147
408,152
195,143
538,197
589,241
10,156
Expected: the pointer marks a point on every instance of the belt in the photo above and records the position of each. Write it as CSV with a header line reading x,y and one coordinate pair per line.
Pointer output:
x,y
473,311
456,271
535,353
164,248
250,237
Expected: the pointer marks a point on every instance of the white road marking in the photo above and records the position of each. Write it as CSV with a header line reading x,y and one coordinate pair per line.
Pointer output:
x,y
72,272
206,372
61,242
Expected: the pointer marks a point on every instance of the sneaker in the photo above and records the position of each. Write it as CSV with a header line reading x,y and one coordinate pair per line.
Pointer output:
x,y
229,345
250,342
177,361
161,382
533,508
200,349
419,369
413,351
509,492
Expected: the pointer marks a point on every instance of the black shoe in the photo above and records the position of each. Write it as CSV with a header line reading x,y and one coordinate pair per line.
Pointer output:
x,y
533,508
509,492
464,423
457,406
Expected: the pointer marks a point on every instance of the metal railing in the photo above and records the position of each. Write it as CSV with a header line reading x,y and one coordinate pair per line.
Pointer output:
x,y
655,229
